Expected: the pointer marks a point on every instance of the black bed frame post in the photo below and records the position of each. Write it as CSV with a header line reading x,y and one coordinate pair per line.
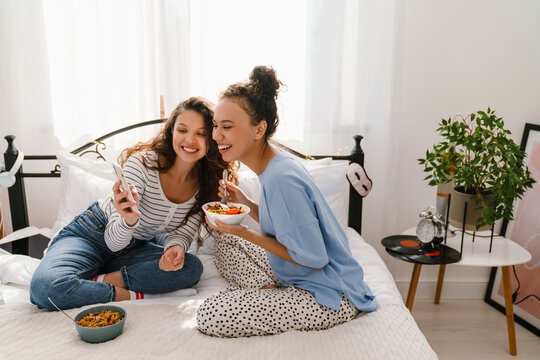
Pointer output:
x,y
355,200
17,199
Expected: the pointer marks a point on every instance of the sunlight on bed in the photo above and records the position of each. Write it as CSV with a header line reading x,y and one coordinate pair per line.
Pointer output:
x,y
189,308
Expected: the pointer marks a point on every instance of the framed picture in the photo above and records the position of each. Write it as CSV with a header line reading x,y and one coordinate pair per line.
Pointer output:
x,y
525,230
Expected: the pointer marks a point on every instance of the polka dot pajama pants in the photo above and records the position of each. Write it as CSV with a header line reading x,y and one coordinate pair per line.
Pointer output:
x,y
244,309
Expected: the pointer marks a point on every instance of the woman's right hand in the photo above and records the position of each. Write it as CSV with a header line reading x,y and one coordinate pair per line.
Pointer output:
x,y
123,205
234,194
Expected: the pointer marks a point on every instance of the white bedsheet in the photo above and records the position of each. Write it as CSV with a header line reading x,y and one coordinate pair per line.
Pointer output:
x,y
165,328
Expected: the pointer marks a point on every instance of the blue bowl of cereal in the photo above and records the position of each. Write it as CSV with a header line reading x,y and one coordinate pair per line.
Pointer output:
x,y
100,323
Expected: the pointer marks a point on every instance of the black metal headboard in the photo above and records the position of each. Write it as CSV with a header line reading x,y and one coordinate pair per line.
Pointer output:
x,y
17,195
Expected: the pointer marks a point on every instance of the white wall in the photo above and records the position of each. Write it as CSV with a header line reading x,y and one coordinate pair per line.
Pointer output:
x,y
456,57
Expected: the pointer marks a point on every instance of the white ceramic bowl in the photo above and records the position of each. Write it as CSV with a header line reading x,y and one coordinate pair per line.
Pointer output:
x,y
230,219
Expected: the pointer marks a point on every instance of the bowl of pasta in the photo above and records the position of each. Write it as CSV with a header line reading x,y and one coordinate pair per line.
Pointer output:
x,y
230,214
100,323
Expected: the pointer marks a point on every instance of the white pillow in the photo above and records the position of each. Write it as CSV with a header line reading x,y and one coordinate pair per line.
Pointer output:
x,y
17,269
330,177
83,182
333,183
305,162
317,162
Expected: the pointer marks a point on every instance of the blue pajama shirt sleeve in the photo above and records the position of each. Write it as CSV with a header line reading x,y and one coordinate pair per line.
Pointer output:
x,y
295,222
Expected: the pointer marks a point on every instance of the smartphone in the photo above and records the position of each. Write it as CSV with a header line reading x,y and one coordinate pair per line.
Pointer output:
x,y
120,176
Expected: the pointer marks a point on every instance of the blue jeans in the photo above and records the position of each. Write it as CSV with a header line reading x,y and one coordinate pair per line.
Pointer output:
x,y
78,253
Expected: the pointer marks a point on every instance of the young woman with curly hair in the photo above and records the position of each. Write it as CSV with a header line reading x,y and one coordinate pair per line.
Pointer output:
x,y
298,272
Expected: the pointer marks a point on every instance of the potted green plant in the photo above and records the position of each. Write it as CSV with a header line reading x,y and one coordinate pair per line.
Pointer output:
x,y
486,166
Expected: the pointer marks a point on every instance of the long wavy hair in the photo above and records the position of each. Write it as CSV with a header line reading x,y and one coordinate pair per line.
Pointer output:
x,y
209,167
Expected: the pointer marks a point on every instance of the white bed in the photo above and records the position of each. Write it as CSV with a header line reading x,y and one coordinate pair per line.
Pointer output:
x,y
165,327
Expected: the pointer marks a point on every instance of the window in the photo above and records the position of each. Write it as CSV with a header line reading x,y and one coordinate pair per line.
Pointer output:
x,y
229,38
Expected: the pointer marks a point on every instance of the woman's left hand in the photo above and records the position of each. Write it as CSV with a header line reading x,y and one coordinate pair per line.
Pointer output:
x,y
172,259
238,230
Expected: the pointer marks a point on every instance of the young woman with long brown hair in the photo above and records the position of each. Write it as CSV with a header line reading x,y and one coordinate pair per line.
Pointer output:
x,y
111,253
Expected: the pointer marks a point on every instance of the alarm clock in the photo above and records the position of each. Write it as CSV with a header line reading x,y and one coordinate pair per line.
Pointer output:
x,y
430,229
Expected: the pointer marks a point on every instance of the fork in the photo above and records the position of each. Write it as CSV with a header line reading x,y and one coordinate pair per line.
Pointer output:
x,y
225,178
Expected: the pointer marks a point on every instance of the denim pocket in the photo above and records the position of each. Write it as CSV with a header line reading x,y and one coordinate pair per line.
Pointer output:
x,y
89,222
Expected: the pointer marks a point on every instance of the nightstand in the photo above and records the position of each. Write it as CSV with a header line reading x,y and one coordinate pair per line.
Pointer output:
x,y
504,253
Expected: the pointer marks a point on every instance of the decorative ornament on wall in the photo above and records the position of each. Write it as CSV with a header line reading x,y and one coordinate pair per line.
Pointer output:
x,y
360,181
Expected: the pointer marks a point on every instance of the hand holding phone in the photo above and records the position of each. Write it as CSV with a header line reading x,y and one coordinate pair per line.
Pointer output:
x,y
125,187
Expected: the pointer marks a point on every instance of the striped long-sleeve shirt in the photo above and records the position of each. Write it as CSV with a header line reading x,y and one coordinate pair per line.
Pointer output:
x,y
159,218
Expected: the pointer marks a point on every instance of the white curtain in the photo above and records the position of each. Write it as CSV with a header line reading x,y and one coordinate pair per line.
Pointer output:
x,y
349,90
25,96
82,68
73,70
110,60
337,60
349,71
230,37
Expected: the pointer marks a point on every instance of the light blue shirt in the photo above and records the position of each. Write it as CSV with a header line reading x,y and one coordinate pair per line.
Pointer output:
x,y
293,210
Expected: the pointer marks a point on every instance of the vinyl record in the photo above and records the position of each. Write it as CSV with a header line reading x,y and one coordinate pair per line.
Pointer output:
x,y
403,244
442,254
399,255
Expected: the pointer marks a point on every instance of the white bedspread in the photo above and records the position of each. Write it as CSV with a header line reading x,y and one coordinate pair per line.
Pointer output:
x,y
165,328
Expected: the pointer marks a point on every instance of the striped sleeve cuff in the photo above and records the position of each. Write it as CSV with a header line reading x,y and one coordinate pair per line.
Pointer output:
x,y
176,239
118,234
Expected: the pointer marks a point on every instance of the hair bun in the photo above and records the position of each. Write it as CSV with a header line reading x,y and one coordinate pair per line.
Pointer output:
x,y
264,78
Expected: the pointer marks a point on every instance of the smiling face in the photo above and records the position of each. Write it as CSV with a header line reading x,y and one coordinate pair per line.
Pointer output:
x,y
234,132
190,140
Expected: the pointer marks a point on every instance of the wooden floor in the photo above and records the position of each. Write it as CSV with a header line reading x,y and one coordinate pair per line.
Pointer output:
x,y
471,329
